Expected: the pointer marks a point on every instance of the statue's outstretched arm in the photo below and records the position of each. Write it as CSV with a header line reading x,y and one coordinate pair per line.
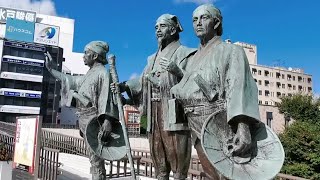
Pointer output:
x,y
55,73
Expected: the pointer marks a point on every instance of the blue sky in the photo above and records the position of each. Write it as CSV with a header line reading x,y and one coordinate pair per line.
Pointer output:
x,y
286,32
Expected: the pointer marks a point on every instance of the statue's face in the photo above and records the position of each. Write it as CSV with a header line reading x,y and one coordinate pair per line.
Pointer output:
x,y
88,57
203,23
163,31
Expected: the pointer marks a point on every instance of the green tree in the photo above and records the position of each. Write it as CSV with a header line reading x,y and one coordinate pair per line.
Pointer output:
x,y
143,125
301,107
301,143
301,140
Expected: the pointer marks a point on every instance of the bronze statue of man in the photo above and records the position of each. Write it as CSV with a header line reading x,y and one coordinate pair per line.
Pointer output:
x,y
217,77
170,143
93,97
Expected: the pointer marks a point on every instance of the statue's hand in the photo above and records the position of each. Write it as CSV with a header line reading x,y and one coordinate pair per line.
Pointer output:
x,y
170,66
153,80
114,87
105,131
242,139
48,62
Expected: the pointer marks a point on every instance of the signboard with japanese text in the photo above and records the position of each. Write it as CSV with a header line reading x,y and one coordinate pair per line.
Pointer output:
x,y
33,47
27,145
19,30
46,34
16,14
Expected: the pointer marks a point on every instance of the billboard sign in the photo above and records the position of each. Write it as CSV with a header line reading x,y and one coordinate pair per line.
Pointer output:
x,y
46,34
27,145
16,14
19,30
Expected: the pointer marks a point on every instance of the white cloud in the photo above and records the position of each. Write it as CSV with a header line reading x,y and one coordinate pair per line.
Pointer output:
x,y
134,75
39,6
195,1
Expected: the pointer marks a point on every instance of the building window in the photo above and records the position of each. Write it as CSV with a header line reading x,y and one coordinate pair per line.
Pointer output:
x,y
266,93
282,75
283,86
278,85
266,83
300,88
269,119
266,73
278,75
259,82
299,78
260,102
293,78
255,80
254,71
309,89
289,86
289,77
278,94
266,102
294,87
259,72
309,80
260,92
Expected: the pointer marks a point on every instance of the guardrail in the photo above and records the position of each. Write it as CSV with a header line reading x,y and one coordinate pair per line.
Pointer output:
x,y
49,164
53,143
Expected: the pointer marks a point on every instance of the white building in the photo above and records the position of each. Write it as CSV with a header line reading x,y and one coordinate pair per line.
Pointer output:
x,y
73,61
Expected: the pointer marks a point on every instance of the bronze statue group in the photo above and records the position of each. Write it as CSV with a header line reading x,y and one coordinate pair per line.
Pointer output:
x,y
205,97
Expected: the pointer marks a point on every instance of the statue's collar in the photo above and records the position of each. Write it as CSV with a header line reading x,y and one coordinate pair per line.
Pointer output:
x,y
212,42
172,46
96,65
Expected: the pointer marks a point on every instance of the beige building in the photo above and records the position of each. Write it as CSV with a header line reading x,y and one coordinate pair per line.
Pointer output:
x,y
273,83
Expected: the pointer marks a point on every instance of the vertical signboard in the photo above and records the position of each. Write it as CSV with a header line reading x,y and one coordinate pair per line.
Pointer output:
x,y
19,30
46,34
27,145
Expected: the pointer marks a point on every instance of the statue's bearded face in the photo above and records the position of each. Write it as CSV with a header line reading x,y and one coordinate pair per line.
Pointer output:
x,y
88,57
203,23
163,31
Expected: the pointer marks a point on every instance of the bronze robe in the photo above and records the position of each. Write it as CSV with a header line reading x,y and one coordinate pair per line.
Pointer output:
x,y
140,88
94,86
226,69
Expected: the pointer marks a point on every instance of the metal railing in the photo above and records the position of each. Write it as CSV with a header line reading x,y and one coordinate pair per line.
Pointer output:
x,y
48,164
64,143
53,143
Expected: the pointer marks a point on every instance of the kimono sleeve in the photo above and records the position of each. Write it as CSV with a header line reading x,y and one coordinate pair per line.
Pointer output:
x,y
105,100
241,89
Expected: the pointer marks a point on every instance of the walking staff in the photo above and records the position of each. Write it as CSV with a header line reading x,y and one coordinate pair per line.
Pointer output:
x,y
115,79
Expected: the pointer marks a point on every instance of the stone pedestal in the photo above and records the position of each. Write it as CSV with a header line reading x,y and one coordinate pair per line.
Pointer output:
x,y
5,170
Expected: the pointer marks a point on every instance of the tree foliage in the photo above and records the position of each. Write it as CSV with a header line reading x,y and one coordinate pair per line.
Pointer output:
x,y
143,125
301,140
301,143
301,107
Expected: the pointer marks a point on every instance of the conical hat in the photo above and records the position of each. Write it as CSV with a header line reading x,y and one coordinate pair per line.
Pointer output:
x,y
264,161
116,147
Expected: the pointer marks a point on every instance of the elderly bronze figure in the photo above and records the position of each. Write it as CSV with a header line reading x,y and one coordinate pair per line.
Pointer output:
x,y
219,96
170,144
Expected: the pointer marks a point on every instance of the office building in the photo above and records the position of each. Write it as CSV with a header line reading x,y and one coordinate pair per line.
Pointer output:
x,y
274,83
26,87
